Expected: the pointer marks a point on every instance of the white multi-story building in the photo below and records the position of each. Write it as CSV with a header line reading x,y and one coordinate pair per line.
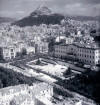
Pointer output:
x,y
9,52
65,50
86,54
60,50
89,55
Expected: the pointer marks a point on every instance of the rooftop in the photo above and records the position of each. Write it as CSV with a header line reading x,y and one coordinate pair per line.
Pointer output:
x,y
93,45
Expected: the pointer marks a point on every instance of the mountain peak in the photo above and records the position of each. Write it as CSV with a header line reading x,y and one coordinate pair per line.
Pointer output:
x,y
42,15
41,10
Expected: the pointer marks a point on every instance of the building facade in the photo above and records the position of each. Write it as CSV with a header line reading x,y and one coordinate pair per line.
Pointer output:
x,y
42,47
60,50
88,55
8,52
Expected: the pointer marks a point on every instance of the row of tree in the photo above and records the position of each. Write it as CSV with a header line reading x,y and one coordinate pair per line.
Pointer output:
x,y
10,78
22,53
87,84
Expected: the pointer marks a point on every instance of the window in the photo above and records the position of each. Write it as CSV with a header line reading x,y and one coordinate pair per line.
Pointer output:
x,y
11,50
12,57
96,56
96,62
12,53
7,54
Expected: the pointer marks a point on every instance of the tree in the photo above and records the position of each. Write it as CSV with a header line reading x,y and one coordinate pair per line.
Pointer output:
x,y
13,102
1,57
24,52
51,45
1,85
96,85
38,62
82,32
67,72
18,54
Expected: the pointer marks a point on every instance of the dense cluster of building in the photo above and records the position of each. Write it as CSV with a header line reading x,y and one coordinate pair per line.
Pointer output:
x,y
72,39
14,39
38,94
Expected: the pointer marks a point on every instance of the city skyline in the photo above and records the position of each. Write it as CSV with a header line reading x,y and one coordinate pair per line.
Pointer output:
x,y
21,8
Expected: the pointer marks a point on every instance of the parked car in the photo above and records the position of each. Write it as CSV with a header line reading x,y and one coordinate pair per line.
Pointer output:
x,y
94,68
75,63
79,64
87,66
70,62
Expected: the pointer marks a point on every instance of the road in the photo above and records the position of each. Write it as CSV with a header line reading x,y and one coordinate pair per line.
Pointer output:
x,y
72,66
52,83
16,69
24,72
64,63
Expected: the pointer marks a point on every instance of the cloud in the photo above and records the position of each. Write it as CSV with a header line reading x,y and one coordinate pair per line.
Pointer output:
x,y
21,8
20,12
91,1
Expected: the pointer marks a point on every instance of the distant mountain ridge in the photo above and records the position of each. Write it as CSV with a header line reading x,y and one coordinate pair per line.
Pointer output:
x,y
43,15
84,18
6,19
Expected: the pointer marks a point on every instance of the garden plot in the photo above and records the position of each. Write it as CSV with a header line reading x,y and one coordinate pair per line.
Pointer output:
x,y
49,67
41,76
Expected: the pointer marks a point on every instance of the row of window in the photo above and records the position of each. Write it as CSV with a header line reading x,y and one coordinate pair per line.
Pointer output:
x,y
62,51
81,55
60,56
86,51
86,56
88,61
61,47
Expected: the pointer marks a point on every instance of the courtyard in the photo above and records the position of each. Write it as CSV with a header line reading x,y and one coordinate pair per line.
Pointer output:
x,y
48,66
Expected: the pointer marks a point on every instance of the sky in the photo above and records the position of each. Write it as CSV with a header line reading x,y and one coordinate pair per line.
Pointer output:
x,y
21,8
